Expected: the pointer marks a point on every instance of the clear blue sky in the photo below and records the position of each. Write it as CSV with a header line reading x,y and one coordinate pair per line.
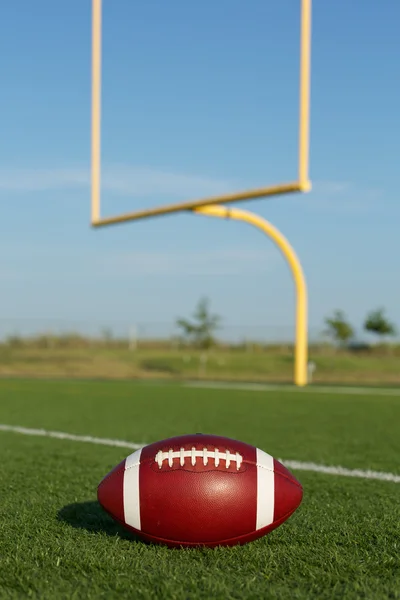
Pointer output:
x,y
198,98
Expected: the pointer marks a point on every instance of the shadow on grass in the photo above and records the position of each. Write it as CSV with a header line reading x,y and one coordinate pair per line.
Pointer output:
x,y
91,517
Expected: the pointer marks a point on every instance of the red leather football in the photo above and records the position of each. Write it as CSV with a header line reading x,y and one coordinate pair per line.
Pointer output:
x,y
200,490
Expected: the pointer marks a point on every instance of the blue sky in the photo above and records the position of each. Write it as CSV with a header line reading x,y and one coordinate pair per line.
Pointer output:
x,y
198,98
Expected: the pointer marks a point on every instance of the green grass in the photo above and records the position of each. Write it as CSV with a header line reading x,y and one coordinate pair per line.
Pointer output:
x,y
56,542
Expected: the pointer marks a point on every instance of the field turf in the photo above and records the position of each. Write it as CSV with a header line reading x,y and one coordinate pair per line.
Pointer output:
x,y
55,541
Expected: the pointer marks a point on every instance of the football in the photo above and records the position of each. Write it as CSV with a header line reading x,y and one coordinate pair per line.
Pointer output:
x,y
200,490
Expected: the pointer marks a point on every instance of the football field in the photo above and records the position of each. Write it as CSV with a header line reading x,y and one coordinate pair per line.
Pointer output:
x,y
58,439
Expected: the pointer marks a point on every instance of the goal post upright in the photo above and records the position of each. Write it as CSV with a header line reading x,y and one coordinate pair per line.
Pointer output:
x,y
96,111
304,95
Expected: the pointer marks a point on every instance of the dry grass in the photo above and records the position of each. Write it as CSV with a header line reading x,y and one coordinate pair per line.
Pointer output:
x,y
270,365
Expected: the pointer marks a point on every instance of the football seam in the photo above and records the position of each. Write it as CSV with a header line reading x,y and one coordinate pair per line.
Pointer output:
x,y
133,466
290,479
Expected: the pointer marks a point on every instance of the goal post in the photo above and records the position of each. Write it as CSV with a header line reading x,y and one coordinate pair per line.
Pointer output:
x,y
215,206
301,184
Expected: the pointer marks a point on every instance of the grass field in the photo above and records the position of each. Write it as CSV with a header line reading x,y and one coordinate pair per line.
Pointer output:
x,y
55,541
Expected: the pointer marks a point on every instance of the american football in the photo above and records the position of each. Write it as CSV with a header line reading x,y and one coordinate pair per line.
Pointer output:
x,y
200,490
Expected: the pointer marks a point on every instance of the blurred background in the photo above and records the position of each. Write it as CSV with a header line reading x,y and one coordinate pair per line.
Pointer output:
x,y
198,99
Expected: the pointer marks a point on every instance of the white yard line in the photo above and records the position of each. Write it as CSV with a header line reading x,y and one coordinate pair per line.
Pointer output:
x,y
359,473
291,464
311,389
60,435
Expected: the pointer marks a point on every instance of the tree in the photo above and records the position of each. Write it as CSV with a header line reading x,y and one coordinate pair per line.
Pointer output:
x,y
377,323
339,328
201,330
